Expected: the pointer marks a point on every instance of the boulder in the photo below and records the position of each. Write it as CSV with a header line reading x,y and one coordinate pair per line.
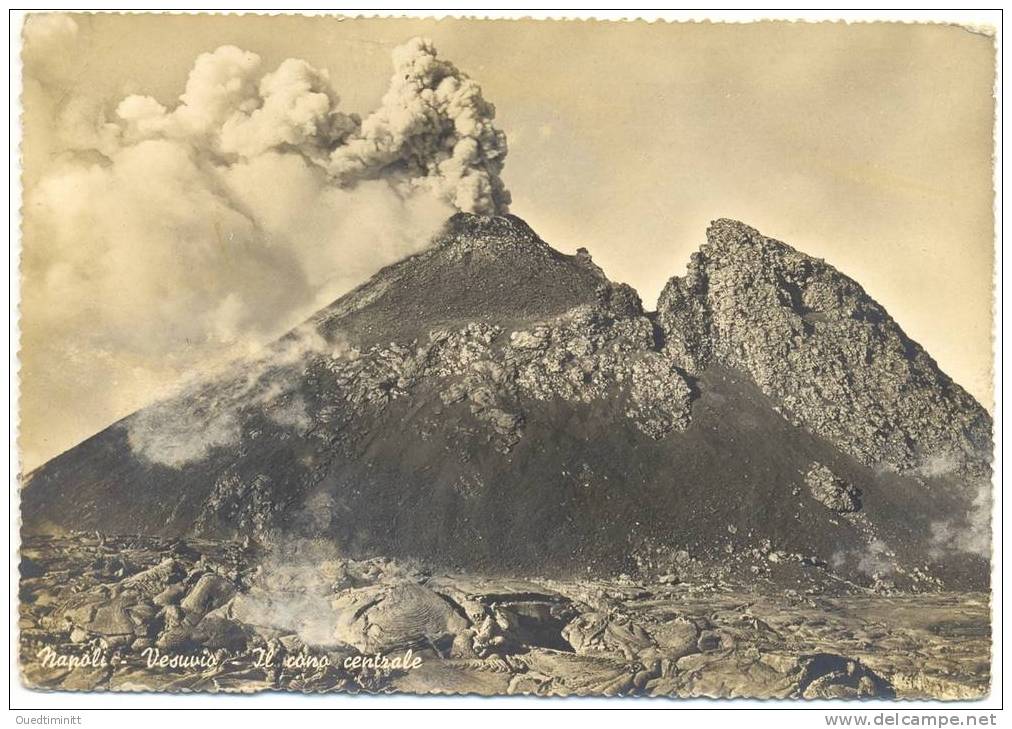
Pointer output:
x,y
384,618
676,637
599,632
832,491
111,619
210,592
155,579
170,595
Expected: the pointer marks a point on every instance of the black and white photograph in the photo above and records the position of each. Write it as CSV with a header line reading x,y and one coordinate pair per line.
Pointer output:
x,y
463,355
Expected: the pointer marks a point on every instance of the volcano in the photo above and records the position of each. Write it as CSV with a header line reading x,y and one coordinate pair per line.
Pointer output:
x,y
493,405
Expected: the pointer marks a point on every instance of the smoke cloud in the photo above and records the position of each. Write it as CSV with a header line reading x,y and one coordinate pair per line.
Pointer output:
x,y
874,560
432,133
433,127
294,588
207,411
969,532
164,238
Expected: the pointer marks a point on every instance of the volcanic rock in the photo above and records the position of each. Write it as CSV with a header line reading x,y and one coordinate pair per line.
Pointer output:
x,y
831,491
381,619
210,592
503,634
818,346
495,405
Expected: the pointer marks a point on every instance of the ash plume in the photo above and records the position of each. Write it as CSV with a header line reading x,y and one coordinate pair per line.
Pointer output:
x,y
434,128
167,236
433,131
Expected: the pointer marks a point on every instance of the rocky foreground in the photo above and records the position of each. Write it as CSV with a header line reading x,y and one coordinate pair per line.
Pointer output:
x,y
147,613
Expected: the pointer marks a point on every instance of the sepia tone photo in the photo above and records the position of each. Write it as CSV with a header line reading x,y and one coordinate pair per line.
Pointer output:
x,y
506,357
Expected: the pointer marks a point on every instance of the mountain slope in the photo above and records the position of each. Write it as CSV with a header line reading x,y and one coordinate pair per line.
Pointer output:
x,y
827,353
492,404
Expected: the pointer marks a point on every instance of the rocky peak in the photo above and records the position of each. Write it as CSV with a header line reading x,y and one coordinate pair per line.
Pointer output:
x,y
824,351
478,268
731,235
493,235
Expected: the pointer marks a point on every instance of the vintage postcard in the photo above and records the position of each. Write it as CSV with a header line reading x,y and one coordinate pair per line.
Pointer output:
x,y
506,357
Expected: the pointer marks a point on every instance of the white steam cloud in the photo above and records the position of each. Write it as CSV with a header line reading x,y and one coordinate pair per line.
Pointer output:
x,y
207,412
969,532
160,239
874,560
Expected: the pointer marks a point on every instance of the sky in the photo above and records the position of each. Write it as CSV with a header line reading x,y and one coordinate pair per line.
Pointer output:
x,y
146,261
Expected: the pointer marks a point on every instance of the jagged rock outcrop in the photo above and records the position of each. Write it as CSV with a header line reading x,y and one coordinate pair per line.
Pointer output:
x,y
584,354
823,350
